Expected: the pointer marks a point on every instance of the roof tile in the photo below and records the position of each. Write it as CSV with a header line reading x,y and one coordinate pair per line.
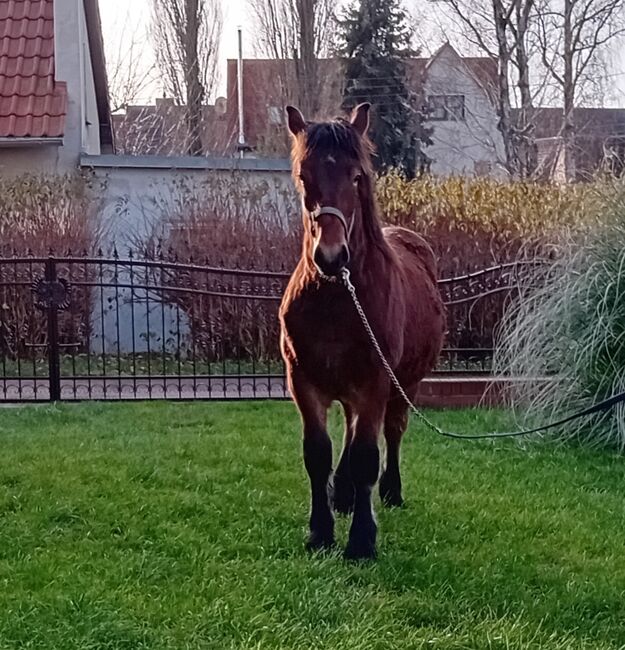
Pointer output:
x,y
32,102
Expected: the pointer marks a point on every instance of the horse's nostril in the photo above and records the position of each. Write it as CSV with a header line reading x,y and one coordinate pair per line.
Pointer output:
x,y
333,261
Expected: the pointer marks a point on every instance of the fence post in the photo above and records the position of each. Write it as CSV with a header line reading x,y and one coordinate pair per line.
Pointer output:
x,y
54,365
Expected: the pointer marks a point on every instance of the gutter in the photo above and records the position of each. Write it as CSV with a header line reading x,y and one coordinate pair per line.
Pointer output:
x,y
8,143
183,163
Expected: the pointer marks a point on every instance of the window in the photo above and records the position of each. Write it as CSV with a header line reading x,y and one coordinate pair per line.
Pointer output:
x,y
446,108
482,167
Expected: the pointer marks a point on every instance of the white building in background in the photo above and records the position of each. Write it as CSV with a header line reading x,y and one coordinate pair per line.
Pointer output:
x,y
459,90
462,113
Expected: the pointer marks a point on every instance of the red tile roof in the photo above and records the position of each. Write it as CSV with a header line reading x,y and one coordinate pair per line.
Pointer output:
x,y
32,103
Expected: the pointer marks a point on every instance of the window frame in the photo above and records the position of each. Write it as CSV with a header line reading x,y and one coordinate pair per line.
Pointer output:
x,y
442,103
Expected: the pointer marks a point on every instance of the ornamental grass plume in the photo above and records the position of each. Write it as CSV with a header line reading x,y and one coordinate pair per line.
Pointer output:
x,y
565,342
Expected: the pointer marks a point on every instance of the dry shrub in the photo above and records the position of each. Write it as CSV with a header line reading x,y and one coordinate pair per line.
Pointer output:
x,y
229,222
40,215
470,223
475,223
226,221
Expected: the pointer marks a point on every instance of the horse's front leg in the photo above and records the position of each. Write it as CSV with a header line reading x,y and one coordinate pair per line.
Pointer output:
x,y
317,459
343,487
364,466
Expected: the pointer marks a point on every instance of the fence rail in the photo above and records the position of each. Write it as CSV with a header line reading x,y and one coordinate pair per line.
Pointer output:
x,y
93,327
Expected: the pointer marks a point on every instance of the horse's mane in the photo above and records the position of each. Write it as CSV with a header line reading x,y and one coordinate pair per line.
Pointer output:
x,y
339,138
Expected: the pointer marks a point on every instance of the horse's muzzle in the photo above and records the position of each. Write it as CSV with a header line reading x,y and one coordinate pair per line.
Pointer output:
x,y
331,262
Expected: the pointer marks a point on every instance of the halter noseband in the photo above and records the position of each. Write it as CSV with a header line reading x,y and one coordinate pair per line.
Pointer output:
x,y
335,212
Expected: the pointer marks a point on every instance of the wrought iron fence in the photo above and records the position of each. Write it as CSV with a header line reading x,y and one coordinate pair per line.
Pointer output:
x,y
94,327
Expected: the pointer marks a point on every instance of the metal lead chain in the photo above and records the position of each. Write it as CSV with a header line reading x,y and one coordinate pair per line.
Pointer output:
x,y
595,408
387,366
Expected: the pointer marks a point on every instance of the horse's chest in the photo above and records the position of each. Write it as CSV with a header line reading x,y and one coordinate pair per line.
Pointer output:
x,y
326,341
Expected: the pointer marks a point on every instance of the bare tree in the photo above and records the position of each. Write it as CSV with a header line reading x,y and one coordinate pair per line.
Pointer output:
x,y
299,33
186,35
130,68
501,30
573,35
549,49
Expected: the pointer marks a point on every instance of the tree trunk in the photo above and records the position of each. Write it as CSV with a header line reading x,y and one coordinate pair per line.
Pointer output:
x,y
568,125
306,62
526,154
504,109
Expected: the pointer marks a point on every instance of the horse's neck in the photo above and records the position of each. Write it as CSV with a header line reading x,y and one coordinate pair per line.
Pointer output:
x,y
370,253
370,266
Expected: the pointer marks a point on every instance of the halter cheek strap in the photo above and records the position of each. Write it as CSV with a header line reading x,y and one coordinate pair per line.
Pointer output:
x,y
335,212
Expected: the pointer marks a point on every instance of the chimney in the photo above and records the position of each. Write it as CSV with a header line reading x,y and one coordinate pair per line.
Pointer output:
x,y
242,146
163,104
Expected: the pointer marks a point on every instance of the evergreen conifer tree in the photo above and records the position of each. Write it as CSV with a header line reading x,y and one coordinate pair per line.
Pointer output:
x,y
375,42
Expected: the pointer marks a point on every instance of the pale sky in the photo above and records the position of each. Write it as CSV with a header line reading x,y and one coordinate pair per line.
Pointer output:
x,y
126,21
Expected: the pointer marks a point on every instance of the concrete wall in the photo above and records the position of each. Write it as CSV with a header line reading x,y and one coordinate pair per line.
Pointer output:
x,y
141,190
140,194
462,147
34,159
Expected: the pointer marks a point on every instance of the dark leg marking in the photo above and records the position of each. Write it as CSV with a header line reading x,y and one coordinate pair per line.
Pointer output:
x,y
318,461
364,464
395,424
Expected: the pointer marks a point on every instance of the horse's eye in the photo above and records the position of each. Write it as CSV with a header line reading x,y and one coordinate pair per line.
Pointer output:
x,y
357,179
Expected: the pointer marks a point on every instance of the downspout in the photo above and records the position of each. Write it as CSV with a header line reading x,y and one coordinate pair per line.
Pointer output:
x,y
80,14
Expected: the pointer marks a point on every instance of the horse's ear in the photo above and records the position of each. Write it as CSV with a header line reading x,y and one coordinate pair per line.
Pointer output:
x,y
360,117
295,120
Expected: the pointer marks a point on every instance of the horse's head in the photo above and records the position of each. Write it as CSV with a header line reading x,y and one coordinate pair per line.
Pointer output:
x,y
331,162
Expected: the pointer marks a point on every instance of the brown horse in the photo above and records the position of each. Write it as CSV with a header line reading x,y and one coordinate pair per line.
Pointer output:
x,y
324,344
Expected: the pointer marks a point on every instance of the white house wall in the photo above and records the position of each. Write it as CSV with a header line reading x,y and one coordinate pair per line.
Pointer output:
x,y
90,122
461,147
40,159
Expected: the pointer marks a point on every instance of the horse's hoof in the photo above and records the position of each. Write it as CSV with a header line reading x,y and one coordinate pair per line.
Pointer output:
x,y
342,495
390,494
391,499
317,542
360,550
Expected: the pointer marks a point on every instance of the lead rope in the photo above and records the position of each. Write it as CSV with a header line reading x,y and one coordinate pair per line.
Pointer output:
x,y
601,406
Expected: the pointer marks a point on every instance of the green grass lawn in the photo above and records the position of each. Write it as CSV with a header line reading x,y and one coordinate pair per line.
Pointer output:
x,y
182,526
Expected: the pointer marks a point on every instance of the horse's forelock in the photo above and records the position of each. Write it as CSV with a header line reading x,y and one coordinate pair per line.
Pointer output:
x,y
337,137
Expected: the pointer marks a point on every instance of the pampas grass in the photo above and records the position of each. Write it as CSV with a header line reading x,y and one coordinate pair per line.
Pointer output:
x,y
566,341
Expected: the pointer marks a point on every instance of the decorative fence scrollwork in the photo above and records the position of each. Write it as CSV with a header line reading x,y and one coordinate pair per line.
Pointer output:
x,y
80,327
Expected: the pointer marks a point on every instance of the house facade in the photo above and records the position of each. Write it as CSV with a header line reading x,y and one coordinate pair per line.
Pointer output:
x,y
54,103
598,145
458,93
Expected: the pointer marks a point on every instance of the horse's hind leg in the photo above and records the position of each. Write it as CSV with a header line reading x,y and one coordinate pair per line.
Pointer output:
x,y
318,461
343,486
395,424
